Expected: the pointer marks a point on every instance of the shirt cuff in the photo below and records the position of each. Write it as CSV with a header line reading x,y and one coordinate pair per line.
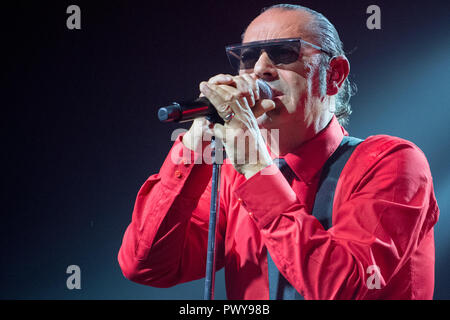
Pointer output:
x,y
181,166
266,195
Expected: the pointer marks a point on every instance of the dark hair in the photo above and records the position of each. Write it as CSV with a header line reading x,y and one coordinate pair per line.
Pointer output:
x,y
327,37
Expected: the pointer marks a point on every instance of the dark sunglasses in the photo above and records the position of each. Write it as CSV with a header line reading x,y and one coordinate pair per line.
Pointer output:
x,y
280,51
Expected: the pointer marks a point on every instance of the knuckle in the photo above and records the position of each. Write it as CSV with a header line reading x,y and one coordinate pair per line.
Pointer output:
x,y
213,78
228,97
245,94
222,107
221,77
202,86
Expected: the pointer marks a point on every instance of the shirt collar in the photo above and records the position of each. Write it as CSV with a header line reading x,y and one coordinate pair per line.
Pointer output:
x,y
309,158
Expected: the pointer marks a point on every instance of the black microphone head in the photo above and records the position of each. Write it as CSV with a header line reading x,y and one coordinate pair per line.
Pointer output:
x,y
188,111
265,92
170,113
163,114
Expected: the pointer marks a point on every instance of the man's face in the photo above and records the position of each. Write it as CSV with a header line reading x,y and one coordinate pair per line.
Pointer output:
x,y
295,85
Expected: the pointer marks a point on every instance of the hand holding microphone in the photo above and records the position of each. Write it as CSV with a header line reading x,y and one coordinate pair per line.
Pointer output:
x,y
238,100
202,107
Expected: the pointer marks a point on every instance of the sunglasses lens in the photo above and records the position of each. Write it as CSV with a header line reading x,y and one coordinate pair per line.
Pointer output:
x,y
283,54
249,57
246,56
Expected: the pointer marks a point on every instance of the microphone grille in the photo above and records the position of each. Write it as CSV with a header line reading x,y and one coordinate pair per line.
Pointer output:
x,y
265,92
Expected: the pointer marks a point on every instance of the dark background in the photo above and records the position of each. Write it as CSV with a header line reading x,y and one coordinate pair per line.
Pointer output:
x,y
80,133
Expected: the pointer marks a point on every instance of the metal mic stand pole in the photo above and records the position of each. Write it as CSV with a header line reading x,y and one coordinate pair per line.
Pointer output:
x,y
216,149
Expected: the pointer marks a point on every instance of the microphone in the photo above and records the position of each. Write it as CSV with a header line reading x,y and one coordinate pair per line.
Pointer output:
x,y
202,107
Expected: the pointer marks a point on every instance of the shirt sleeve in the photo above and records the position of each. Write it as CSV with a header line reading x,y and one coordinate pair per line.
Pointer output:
x,y
385,206
166,241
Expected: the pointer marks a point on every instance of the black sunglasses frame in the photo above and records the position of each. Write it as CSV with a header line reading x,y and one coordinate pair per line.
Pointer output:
x,y
236,61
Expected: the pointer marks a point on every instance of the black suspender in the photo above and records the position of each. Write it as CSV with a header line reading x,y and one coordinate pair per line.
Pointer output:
x,y
279,287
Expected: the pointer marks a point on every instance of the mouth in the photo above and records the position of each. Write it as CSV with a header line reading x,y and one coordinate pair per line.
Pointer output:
x,y
277,97
276,93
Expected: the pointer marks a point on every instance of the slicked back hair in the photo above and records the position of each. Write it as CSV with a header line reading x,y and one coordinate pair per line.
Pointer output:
x,y
327,37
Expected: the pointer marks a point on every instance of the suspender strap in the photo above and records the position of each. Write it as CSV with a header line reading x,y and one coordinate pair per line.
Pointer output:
x,y
279,287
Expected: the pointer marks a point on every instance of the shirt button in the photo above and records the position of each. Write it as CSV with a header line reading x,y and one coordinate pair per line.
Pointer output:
x,y
178,174
250,214
239,200
186,162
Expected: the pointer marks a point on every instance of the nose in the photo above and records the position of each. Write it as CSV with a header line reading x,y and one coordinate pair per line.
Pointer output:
x,y
264,68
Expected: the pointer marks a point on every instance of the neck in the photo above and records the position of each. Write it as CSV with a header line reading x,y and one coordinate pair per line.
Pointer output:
x,y
289,138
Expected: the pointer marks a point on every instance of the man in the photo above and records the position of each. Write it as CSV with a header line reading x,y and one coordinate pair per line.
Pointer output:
x,y
275,237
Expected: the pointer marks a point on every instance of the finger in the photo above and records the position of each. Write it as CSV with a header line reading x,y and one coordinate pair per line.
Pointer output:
x,y
221,79
252,83
244,103
241,105
220,98
245,89
205,125
262,107
238,102
219,131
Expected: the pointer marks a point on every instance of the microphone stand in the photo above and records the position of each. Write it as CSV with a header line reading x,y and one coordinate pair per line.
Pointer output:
x,y
216,149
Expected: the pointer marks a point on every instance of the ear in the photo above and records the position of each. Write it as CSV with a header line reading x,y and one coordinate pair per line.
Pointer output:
x,y
337,72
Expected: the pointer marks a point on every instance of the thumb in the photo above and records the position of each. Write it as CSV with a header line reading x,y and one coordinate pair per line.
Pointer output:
x,y
263,106
219,131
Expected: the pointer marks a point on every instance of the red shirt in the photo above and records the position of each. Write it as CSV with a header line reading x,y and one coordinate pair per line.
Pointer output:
x,y
380,245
